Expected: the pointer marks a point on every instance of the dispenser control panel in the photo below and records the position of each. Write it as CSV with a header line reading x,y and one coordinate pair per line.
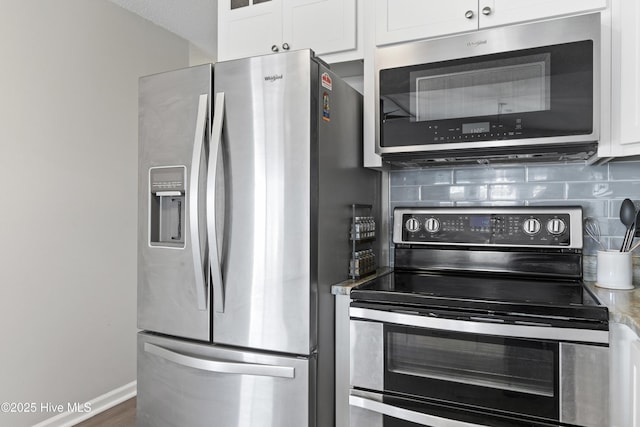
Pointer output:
x,y
169,178
167,206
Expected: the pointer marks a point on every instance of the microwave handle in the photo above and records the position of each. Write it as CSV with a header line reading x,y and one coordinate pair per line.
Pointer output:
x,y
405,414
194,202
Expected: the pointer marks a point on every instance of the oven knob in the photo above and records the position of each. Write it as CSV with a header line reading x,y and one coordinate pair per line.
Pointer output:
x,y
556,226
412,225
432,225
531,226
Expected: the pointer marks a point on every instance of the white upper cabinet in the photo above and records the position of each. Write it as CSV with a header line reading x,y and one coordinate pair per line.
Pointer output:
x,y
624,114
257,27
248,27
405,20
503,12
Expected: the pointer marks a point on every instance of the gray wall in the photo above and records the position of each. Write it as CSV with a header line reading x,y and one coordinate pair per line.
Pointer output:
x,y
68,168
599,189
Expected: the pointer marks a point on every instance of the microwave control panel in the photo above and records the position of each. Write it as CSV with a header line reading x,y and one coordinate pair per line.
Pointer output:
x,y
526,227
477,131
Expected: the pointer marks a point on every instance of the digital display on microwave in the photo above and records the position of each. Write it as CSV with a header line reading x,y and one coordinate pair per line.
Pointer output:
x,y
475,127
481,221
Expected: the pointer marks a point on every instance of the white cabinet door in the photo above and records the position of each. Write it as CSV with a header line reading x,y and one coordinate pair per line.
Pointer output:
x,y
625,80
622,407
248,28
404,20
326,26
259,27
635,383
502,12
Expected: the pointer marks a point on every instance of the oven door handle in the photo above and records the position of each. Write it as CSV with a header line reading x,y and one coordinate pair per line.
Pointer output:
x,y
405,414
494,329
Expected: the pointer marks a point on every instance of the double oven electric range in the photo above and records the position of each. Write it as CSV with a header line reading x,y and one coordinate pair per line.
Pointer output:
x,y
485,321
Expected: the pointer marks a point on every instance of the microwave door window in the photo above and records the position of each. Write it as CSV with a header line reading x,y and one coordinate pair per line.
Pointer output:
x,y
395,106
492,88
531,93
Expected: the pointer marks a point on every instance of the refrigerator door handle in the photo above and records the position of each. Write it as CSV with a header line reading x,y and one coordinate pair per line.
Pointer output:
x,y
194,186
220,366
214,253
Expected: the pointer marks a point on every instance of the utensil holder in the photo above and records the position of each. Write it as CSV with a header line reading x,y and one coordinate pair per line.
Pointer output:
x,y
614,270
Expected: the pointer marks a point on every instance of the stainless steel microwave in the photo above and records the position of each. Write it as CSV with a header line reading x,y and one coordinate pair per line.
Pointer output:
x,y
523,92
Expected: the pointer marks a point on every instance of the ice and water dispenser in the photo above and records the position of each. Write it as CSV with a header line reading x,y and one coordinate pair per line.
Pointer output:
x,y
167,206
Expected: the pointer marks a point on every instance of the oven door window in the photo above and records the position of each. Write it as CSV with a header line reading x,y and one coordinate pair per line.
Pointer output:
x,y
506,374
530,93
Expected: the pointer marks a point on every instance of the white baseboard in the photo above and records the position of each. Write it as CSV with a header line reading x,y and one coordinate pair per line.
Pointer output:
x,y
97,405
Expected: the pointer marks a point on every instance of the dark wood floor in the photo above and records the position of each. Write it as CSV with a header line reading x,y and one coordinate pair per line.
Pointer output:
x,y
122,415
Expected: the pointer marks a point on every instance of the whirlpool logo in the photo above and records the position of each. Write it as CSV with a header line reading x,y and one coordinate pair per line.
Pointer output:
x,y
273,77
476,43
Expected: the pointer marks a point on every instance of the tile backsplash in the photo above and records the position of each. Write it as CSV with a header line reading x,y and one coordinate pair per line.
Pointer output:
x,y
598,189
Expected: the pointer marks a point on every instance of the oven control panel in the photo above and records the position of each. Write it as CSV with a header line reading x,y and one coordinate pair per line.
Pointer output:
x,y
527,226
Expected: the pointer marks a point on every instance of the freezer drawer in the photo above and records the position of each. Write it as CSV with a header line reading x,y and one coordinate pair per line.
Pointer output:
x,y
184,384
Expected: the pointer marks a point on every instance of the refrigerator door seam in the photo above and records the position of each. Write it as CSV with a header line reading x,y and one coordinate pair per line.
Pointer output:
x,y
220,366
198,145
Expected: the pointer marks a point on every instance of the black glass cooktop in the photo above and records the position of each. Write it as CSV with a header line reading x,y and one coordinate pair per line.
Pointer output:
x,y
486,295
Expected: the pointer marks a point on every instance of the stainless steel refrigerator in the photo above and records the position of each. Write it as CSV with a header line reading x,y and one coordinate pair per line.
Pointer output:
x,y
247,173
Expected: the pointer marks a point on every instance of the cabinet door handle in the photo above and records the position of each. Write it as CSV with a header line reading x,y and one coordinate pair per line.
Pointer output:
x,y
274,48
285,46
468,14
486,10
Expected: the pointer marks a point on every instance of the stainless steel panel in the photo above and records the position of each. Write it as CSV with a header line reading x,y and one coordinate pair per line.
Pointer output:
x,y
181,383
342,358
266,157
494,329
341,181
367,355
489,41
168,299
584,386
